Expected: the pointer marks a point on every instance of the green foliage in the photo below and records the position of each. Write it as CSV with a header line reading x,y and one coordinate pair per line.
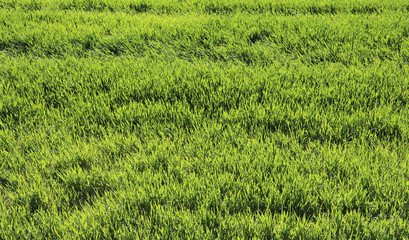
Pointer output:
x,y
204,119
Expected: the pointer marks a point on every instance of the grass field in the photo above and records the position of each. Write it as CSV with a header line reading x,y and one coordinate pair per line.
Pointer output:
x,y
191,119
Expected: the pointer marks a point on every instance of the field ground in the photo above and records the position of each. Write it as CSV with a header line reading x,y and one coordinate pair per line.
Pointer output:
x,y
194,119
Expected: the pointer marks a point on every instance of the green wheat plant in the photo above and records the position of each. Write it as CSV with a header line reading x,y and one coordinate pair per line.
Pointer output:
x,y
214,119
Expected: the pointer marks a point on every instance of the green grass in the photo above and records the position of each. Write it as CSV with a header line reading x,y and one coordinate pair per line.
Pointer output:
x,y
204,119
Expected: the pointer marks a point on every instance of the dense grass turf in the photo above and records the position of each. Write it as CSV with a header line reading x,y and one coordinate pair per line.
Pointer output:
x,y
204,119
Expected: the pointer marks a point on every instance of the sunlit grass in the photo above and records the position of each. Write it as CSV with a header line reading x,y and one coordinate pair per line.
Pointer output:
x,y
204,119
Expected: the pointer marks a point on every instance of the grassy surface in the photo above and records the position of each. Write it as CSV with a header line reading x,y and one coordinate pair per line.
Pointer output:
x,y
204,119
